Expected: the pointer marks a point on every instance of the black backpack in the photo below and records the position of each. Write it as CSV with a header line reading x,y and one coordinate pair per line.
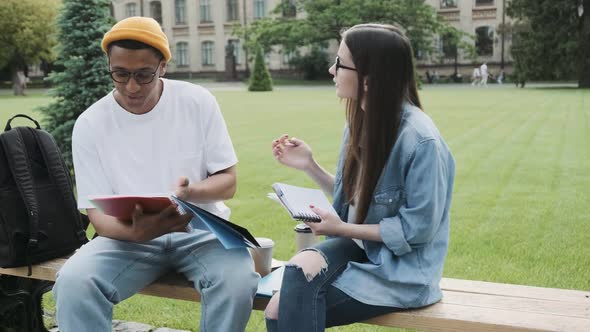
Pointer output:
x,y
39,219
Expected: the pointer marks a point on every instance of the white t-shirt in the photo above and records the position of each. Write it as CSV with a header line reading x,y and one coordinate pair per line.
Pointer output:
x,y
117,152
484,70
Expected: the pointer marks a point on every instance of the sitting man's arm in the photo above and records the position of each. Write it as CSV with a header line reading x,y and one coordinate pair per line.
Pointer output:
x,y
217,187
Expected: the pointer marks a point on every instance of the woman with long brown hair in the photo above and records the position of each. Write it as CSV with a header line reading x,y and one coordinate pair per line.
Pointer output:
x,y
392,191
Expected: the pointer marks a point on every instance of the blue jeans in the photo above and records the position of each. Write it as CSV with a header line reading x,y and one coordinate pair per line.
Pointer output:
x,y
313,305
105,272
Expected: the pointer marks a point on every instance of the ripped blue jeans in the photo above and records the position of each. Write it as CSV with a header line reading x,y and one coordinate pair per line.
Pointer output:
x,y
313,305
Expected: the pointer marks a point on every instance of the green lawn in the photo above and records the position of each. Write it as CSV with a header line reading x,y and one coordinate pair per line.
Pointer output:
x,y
519,213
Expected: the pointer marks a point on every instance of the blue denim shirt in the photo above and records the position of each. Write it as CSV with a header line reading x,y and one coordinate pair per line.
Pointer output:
x,y
411,204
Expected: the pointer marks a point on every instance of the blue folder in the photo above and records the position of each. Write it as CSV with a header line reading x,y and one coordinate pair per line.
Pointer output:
x,y
271,283
229,234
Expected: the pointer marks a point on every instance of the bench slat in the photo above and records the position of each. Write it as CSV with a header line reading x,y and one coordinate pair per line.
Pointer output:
x,y
519,304
454,317
43,271
484,287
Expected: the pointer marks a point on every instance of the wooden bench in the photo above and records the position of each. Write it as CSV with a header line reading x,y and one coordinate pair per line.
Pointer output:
x,y
466,306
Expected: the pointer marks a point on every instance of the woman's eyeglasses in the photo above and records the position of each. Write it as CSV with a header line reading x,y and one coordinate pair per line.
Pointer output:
x,y
339,65
140,76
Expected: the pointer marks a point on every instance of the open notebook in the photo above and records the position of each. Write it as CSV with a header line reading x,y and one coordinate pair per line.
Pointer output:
x,y
296,200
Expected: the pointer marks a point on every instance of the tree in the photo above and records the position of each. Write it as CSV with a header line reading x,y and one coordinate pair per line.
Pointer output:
x,y
260,80
324,21
551,39
27,35
85,79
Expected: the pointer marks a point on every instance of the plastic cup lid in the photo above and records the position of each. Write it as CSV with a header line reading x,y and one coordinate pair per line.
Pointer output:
x,y
265,242
302,228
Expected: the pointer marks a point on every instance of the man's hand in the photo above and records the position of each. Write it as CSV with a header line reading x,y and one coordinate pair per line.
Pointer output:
x,y
181,188
146,227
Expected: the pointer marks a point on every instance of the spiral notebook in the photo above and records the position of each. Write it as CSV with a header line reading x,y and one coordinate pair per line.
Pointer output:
x,y
296,200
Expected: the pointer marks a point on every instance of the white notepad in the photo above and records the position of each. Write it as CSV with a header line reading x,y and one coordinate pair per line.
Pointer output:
x,y
297,200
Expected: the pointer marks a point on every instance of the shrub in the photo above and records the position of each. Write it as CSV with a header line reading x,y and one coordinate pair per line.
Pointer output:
x,y
260,79
313,65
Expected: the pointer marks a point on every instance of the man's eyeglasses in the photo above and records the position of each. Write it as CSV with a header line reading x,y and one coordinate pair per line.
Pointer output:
x,y
140,76
338,65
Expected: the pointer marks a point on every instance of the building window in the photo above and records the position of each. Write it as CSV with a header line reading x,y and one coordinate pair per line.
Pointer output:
x,y
131,9
259,8
484,3
232,10
418,54
448,46
207,48
182,54
206,11
484,40
156,11
448,3
289,8
267,58
237,50
288,57
180,10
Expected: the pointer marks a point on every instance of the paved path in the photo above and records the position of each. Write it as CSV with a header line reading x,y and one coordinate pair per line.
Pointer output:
x,y
241,86
121,326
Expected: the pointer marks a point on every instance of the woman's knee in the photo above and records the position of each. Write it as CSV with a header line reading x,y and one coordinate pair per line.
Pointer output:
x,y
272,308
311,262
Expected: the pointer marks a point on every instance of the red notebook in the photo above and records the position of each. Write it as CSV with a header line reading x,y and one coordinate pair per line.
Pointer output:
x,y
122,206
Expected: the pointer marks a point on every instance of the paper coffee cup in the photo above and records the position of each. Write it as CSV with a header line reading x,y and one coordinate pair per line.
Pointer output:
x,y
304,237
262,256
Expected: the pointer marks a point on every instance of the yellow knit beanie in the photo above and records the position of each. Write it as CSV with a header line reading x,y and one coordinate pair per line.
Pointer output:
x,y
142,29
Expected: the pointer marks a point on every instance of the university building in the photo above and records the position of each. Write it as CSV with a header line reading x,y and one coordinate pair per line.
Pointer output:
x,y
200,30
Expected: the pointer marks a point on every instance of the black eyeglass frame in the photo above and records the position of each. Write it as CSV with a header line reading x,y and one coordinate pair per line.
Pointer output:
x,y
134,74
339,65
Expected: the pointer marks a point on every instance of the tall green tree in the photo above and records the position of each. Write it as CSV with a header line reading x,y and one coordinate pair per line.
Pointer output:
x,y
85,78
551,39
27,35
324,20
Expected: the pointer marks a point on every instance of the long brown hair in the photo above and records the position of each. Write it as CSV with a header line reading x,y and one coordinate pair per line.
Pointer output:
x,y
384,61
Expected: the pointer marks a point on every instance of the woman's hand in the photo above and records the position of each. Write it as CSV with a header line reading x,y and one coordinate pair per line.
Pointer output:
x,y
292,152
330,224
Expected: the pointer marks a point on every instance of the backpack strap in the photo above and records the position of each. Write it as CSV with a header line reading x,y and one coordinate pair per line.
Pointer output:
x,y
18,162
57,172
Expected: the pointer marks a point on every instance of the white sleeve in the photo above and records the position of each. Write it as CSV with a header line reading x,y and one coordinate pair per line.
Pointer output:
x,y
90,176
219,151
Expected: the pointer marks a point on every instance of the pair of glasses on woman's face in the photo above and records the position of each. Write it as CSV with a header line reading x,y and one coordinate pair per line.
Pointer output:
x,y
140,76
339,65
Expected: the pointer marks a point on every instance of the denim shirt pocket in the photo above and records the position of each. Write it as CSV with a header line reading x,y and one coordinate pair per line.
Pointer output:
x,y
387,202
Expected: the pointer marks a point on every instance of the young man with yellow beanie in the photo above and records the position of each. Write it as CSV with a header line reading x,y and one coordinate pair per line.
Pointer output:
x,y
152,135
